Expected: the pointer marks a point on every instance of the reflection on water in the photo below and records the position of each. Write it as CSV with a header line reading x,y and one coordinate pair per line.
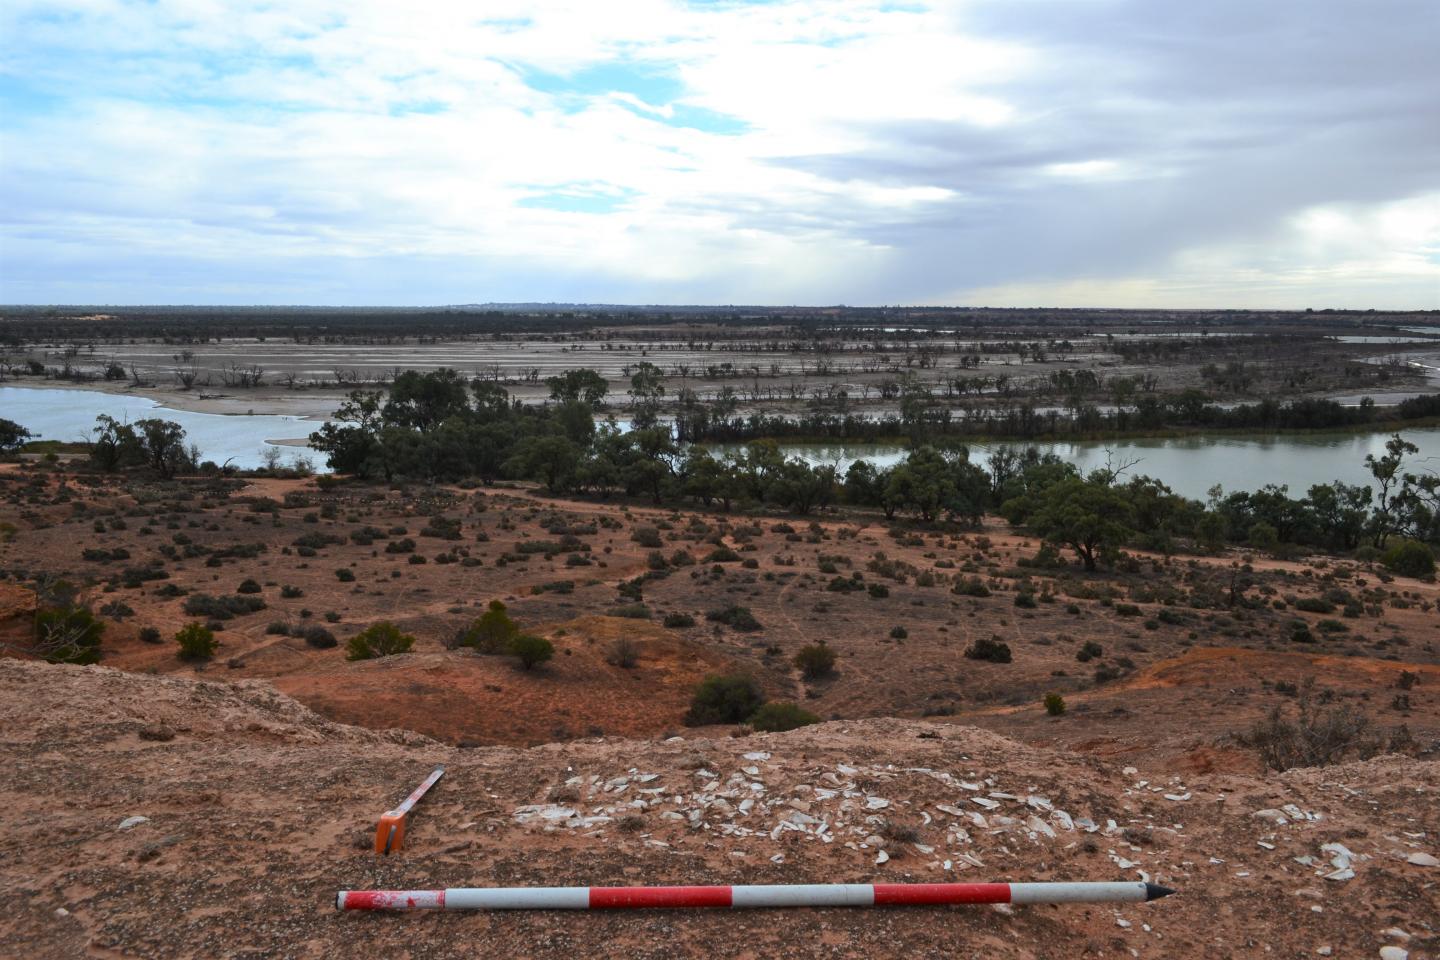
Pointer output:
x,y
69,415
1189,465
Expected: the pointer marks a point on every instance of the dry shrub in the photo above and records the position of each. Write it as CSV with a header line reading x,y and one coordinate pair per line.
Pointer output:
x,y
1319,735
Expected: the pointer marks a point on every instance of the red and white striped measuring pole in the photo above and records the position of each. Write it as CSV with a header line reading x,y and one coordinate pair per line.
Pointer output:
x,y
775,895
390,832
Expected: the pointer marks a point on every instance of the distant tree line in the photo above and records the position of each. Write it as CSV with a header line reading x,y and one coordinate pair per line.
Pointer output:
x,y
922,417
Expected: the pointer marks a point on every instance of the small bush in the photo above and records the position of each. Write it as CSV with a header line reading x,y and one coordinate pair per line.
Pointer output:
x,y
1318,736
677,621
779,717
1088,651
531,650
492,631
290,592
382,639
632,611
647,537
345,575
971,587
1314,605
221,608
722,555
68,635
1054,704
624,653
1025,600
317,636
1409,558
898,633
248,586
150,634
724,698
815,660
992,650
878,591
197,642
735,617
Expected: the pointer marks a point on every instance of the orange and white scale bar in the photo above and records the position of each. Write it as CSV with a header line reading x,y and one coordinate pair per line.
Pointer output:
x,y
737,897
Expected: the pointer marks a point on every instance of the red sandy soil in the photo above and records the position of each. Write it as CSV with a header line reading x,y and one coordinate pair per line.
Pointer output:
x,y
1183,689
259,811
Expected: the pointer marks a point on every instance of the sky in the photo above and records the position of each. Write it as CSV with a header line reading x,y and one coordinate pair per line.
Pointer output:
x,y
1124,153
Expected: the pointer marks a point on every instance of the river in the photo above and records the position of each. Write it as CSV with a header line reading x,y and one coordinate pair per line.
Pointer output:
x,y
69,415
1189,465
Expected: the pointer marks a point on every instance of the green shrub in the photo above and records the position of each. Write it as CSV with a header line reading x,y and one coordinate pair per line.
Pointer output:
x,y
679,620
197,642
68,635
724,698
248,586
345,575
317,636
290,592
1314,605
150,634
1025,600
382,639
878,591
1088,651
898,633
1054,704
722,555
1409,558
647,537
632,611
221,608
993,650
531,650
971,587
735,617
815,660
492,631
779,717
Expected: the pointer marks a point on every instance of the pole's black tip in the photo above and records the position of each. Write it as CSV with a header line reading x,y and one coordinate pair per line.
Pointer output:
x,y
1153,891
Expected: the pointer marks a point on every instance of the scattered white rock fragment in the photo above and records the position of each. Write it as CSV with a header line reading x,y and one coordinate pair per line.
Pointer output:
x,y
129,822
876,803
1422,860
985,802
882,857
1178,797
1122,923
1393,953
1274,816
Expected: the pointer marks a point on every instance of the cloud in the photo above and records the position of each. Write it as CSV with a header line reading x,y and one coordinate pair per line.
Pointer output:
x,y
1087,151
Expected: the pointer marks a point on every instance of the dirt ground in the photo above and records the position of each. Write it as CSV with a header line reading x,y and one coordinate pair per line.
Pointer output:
x,y
170,817
1178,672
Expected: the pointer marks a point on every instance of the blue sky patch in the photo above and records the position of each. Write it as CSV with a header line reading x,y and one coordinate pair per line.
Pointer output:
x,y
580,199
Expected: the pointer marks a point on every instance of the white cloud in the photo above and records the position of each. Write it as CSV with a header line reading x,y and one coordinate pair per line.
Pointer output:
x,y
858,150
